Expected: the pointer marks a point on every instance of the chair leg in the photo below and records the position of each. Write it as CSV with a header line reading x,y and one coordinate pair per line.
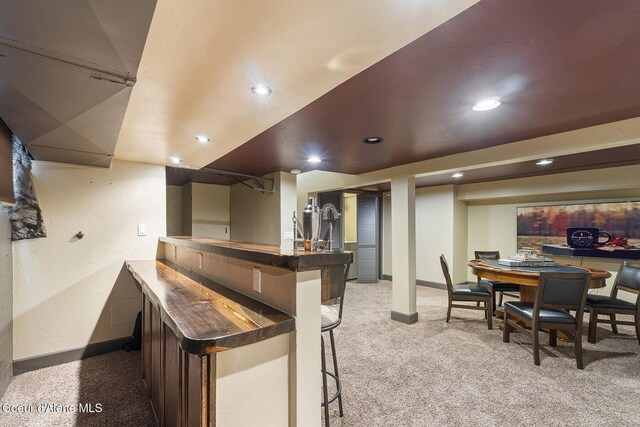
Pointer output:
x,y
493,302
489,314
593,324
485,311
553,337
325,392
506,329
500,301
449,312
577,339
536,345
614,327
335,368
638,327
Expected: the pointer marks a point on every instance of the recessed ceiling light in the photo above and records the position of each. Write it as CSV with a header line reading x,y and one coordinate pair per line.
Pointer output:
x,y
295,171
487,104
457,175
261,90
175,160
373,140
544,162
314,159
202,139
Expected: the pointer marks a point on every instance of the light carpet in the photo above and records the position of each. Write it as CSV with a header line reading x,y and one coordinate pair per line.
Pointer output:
x,y
461,374
426,374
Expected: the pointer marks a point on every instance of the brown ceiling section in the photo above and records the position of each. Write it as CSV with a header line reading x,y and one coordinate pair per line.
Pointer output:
x,y
557,65
599,159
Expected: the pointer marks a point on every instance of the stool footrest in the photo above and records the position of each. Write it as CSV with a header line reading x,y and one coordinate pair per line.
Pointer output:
x,y
338,388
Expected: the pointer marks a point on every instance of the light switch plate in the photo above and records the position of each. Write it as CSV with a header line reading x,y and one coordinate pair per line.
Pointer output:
x,y
142,229
257,280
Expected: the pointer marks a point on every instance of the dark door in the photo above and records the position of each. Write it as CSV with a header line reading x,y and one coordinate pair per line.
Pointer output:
x,y
368,237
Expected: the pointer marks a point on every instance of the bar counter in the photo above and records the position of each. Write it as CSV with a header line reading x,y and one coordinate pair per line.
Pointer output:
x,y
231,331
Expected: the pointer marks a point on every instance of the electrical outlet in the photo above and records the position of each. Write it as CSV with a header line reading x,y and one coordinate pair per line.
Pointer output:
x,y
288,235
257,279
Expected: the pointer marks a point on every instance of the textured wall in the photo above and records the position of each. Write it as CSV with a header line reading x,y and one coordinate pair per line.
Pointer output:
x,y
174,210
210,211
68,292
6,301
255,216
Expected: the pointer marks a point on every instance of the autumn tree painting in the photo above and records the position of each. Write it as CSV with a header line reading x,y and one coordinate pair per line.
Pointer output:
x,y
538,225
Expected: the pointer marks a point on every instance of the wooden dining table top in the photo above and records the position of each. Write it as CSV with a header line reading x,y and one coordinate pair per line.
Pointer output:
x,y
528,276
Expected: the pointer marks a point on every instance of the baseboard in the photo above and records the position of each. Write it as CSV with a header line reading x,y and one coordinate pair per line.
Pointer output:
x,y
419,282
429,284
51,359
404,318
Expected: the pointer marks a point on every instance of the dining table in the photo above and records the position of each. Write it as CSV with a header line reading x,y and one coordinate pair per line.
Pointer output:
x,y
527,278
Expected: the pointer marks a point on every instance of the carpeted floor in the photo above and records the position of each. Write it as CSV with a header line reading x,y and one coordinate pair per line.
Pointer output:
x,y
462,374
426,374
112,380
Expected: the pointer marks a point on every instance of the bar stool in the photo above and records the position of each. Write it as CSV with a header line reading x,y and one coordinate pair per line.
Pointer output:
x,y
330,319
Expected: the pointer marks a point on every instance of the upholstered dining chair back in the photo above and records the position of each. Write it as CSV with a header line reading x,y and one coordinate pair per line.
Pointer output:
x,y
445,272
562,290
487,254
628,278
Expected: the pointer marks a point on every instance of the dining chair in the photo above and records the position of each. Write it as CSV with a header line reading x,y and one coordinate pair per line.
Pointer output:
x,y
556,295
467,293
497,287
627,280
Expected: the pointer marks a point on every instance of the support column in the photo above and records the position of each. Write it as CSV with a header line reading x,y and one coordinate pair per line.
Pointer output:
x,y
403,249
305,380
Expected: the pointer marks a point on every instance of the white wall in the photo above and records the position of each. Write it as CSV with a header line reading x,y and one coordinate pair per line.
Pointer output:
x,y
68,292
288,199
186,210
441,228
174,210
6,301
492,228
260,217
436,219
210,210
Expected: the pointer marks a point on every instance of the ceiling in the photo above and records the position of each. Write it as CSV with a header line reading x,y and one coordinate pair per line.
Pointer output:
x,y
200,63
597,159
67,69
138,81
557,66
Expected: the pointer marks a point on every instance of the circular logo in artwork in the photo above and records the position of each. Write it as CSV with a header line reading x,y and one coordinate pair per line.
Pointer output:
x,y
582,237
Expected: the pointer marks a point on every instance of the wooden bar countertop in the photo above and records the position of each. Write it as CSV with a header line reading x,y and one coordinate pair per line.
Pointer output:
x,y
205,316
264,254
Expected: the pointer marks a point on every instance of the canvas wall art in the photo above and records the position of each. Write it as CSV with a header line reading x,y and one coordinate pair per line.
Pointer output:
x,y
538,225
